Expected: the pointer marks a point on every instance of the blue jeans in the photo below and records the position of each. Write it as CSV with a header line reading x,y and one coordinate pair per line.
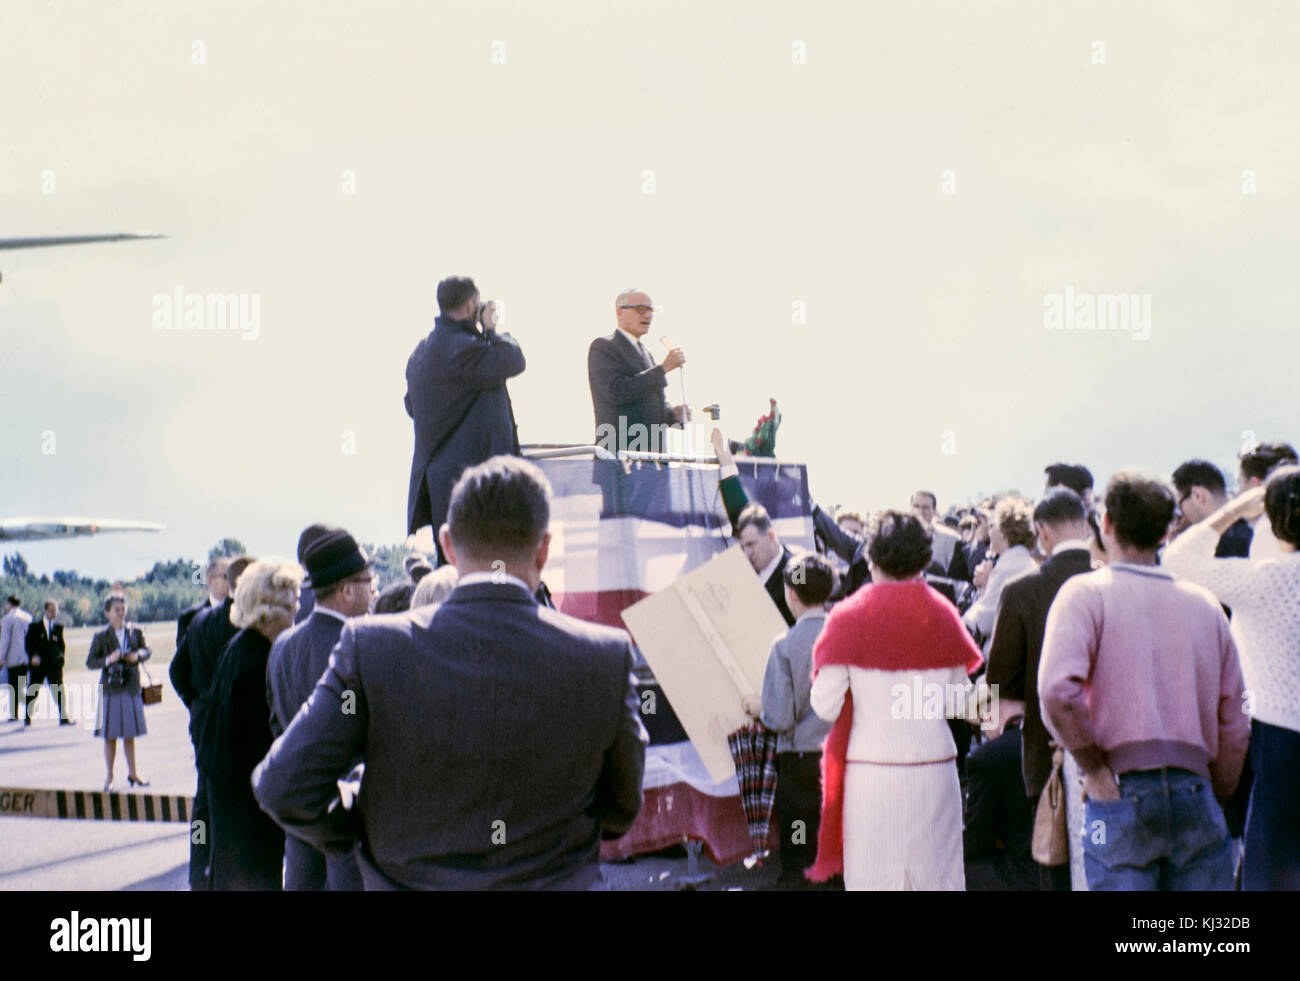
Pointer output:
x,y
1272,859
1165,832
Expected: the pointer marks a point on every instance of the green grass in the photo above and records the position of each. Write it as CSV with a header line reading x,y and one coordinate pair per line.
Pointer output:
x,y
159,637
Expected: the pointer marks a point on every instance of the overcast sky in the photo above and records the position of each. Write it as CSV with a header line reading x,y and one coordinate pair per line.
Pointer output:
x,y
1103,147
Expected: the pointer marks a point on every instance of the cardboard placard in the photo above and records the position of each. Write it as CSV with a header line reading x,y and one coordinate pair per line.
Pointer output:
x,y
707,638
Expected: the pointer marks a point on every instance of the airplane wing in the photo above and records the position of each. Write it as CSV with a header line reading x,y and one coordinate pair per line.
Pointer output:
x,y
38,243
35,529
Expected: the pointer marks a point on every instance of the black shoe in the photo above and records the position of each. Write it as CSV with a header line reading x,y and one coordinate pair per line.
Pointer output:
x,y
27,721
65,722
137,783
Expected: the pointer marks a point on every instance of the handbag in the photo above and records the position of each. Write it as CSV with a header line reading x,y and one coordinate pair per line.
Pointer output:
x,y
1051,842
151,693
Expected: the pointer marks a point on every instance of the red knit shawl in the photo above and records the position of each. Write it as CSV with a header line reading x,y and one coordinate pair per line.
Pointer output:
x,y
903,626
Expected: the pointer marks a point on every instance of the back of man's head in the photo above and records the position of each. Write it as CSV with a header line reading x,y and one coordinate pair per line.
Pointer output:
x,y
1199,473
1059,507
1258,463
811,577
236,569
454,292
1140,507
1075,476
500,509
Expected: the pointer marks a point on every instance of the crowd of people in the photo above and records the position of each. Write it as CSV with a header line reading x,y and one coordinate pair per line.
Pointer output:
x,y
457,731
1101,625
1154,636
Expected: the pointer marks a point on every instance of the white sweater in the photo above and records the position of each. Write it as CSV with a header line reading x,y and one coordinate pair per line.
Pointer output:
x,y
1265,599
898,716
1013,563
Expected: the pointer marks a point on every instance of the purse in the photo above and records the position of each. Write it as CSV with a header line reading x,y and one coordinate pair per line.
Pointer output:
x,y
151,693
1051,842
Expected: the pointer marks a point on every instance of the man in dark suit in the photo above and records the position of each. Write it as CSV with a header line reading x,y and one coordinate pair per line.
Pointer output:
x,y
218,590
1063,535
338,572
456,394
1202,490
501,740
191,673
751,526
45,650
627,387
999,827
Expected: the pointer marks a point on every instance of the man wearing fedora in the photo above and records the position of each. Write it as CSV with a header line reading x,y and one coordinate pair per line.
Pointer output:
x,y
501,740
339,574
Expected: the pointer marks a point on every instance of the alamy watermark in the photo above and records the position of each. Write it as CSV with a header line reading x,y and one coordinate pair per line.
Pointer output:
x,y
179,310
930,700
1098,311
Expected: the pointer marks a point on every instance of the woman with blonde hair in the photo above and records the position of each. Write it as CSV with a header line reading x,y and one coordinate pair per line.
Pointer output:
x,y
1011,536
247,847
435,587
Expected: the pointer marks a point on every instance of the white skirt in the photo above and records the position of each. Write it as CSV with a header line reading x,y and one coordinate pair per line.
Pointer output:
x,y
902,827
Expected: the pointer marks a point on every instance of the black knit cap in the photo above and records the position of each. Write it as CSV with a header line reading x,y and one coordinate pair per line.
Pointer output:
x,y
333,557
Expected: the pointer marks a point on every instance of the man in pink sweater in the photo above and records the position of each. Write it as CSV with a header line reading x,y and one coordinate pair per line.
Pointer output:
x,y
1140,682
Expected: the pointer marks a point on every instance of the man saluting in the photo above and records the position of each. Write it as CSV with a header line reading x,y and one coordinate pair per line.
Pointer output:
x,y
456,394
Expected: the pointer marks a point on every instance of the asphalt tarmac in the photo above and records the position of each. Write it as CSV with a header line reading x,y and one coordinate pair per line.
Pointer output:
x,y
89,855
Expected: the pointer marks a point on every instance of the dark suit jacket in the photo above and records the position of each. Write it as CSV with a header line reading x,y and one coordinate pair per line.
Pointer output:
x,y
624,385
999,817
456,393
500,741
1235,542
104,644
306,603
299,657
48,647
1018,647
851,549
196,660
186,618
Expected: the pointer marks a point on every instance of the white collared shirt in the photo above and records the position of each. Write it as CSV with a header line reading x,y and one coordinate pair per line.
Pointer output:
x,y
770,568
326,610
635,341
1069,544
498,578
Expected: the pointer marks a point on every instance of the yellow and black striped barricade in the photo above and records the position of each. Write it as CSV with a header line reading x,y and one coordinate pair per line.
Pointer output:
x,y
93,805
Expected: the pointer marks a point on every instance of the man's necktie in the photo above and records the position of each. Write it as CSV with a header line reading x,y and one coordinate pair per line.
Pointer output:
x,y
645,355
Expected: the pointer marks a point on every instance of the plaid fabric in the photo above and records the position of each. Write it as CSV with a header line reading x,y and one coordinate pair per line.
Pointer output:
x,y
753,749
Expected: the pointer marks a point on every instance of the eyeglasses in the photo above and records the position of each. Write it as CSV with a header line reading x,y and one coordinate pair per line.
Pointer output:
x,y
641,308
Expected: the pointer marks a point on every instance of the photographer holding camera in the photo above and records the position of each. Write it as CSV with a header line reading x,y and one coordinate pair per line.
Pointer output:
x,y
118,649
456,396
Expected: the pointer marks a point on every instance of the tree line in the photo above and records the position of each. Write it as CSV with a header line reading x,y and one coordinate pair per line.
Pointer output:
x,y
158,595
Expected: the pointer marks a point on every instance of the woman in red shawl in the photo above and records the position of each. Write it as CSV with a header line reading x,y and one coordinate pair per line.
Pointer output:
x,y
890,667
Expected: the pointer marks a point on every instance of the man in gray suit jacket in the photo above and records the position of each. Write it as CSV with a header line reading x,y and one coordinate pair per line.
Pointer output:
x,y
338,572
501,740
13,650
